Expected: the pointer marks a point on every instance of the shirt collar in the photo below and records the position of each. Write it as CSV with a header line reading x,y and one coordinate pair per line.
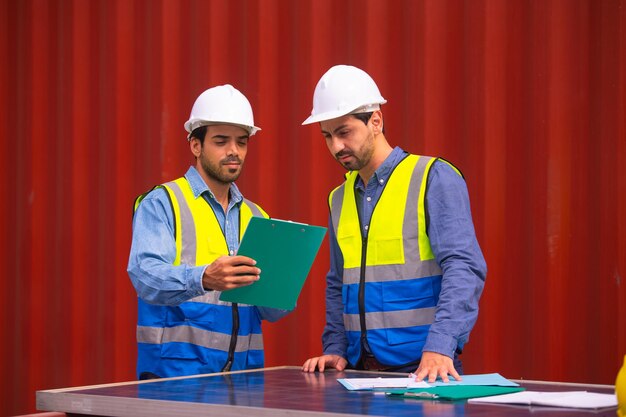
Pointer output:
x,y
198,187
384,170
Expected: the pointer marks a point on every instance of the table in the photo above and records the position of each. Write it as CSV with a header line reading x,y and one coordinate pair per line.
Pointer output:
x,y
279,391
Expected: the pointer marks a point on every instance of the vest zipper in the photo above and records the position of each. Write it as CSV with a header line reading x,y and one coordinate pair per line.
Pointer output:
x,y
235,310
364,344
365,347
233,339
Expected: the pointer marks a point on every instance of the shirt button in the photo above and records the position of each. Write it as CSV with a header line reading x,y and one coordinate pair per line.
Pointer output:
x,y
381,180
369,198
232,252
366,227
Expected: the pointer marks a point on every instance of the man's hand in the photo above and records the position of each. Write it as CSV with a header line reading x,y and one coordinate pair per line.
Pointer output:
x,y
434,365
228,272
323,362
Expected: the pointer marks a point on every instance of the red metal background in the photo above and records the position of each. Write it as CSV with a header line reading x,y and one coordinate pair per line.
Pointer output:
x,y
528,98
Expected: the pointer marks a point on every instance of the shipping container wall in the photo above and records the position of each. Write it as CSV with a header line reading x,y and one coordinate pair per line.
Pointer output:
x,y
527,98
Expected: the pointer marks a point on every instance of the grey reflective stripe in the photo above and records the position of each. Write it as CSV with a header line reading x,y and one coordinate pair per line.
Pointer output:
x,y
395,272
199,337
390,319
255,210
188,232
210,297
410,224
335,206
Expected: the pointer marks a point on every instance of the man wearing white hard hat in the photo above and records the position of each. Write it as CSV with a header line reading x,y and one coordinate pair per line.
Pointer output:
x,y
185,237
406,271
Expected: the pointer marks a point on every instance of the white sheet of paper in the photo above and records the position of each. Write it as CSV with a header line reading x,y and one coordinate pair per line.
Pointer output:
x,y
354,384
568,399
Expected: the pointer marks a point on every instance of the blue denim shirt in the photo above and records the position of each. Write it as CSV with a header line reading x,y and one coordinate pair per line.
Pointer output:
x,y
153,248
453,241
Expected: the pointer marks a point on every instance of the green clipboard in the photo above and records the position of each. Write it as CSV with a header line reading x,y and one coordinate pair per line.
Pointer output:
x,y
284,251
453,392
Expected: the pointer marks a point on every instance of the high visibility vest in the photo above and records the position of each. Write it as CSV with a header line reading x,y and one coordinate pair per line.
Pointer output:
x,y
391,280
203,334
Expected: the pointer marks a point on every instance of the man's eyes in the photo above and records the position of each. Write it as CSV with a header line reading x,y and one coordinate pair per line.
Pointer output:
x,y
219,142
340,134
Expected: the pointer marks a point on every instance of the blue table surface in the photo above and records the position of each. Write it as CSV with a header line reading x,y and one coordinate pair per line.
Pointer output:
x,y
279,391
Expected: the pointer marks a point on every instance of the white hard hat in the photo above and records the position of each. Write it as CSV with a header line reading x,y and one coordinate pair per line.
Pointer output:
x,y
223,104
344,89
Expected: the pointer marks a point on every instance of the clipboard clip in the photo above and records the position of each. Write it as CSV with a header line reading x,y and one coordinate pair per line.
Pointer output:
x,y
421,395
291,221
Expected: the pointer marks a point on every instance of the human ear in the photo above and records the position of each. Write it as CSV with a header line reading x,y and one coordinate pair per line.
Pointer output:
x,y
195,146
376,120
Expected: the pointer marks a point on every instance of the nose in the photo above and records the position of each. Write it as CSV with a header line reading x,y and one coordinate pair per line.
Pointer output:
x,y
232,149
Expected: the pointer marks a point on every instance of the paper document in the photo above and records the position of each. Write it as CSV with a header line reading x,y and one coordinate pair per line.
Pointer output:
x,y
568,399
284,251
409,382
355,384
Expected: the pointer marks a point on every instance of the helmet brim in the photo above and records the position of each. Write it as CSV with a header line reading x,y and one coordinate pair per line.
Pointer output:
x,y
339,113
191,125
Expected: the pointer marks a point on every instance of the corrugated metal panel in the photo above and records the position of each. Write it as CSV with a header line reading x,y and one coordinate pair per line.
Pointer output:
x,y
527,98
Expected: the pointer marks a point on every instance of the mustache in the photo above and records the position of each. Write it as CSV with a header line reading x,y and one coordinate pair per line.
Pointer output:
x,y
230,160
343,153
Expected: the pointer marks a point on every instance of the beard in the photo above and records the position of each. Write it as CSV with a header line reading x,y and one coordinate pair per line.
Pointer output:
x,y
360,158
219,172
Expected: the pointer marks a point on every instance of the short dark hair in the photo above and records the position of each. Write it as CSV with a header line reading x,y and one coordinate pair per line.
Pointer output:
x,y
199,133
365,117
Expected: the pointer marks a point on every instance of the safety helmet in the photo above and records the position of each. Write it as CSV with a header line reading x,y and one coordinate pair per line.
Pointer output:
x,y
342,90
223,104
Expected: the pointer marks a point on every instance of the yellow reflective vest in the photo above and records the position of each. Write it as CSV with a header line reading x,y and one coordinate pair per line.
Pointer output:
x,y
204,334
391,281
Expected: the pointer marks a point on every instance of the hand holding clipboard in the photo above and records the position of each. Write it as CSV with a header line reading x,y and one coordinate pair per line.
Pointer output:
x,y
284,251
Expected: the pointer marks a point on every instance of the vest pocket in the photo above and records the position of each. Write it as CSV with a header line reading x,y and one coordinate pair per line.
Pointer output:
x,y
212,255
405,335
408,294
182,351
202,314
386,250
186,328
350,246
408,310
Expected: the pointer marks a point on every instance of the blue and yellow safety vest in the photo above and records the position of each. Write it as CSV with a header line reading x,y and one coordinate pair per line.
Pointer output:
x,y
204,334
391,280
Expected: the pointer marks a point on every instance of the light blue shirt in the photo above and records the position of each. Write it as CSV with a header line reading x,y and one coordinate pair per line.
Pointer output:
x,y
153,249
453,241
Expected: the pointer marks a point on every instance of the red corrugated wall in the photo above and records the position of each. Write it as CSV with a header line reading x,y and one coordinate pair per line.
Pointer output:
x,y
528,98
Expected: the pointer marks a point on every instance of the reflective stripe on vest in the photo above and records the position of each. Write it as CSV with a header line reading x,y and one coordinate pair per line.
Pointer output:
x,y
391,319
397,250
199,241
199,337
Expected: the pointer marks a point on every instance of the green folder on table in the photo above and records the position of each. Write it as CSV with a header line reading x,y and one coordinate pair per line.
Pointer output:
x,y
284,251
452,392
